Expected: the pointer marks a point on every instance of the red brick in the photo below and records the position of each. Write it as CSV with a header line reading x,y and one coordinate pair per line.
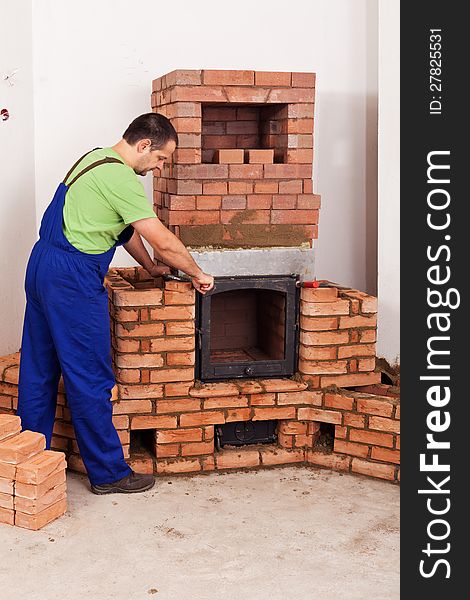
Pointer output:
x,y
248,94
282,385
284,201
168,375
187,187
6,486
291,95
371,437
133,330
229,156
259,201
272,78
7,516
366,364
39,520
177,389
332,461
178,405
383,424
299,126
351,448
358,321
180,358
371,406
215,187
300,397
299,155
153,422
245,171
134,361
140,391
132,406
151,297
263,414
186,156
269,187
320,367
141,463
285,440
209,202
168,436
238,414
202,418
351,380
18,448
354,420
356,350
313,309
320,295
180,328
179,465
226,402
323,338
227,77
303,80
339,401
318,323
197,448
9,425
187,124
237,459
121,421
127,345
166,451
40,467
386,455
292,427
182,77
34,491
262,399
322,416
259,156
211,390
240,187
368,335
280,456
182,202
177,313
234,202
373,469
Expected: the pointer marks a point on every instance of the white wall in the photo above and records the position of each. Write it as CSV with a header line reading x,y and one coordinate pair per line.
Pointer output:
x,y
94,62
389,182
17,206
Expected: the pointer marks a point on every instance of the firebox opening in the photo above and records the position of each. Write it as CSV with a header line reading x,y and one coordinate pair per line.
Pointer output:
x,y
242,433
244,126
326,438
142,442
247,325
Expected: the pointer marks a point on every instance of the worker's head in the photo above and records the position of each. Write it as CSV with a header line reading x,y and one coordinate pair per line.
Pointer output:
x,y
152,140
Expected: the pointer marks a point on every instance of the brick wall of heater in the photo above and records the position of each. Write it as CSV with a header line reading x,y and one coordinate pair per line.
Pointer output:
x,y
262,202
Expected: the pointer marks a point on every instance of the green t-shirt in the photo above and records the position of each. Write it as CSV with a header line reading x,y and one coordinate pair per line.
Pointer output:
x,y
102,202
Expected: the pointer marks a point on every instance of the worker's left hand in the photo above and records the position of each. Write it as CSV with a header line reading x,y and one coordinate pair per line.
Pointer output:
x,y
158,270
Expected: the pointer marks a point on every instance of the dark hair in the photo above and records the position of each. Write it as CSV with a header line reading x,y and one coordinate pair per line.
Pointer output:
x,y
153,126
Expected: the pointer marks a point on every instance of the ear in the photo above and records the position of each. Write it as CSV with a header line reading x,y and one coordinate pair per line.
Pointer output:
x,y
143,146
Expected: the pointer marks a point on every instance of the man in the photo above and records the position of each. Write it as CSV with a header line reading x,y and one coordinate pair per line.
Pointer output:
x,y
100,205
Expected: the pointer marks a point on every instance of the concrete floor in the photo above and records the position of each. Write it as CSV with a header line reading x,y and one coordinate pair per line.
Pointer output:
x,y
289,533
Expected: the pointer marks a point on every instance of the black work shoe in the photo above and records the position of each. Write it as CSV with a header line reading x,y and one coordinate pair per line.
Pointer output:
x,y
131,484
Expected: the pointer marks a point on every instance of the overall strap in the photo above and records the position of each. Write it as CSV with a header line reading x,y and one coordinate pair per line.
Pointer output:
x,y
78,161
103,161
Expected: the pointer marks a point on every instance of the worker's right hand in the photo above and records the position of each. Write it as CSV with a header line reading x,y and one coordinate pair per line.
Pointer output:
x,y
203,282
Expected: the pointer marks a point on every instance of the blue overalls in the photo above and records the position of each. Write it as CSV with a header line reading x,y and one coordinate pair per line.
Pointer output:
x,y
66,329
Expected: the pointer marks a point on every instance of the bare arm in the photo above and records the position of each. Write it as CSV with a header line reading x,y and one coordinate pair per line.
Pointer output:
x,y
172,251
138,251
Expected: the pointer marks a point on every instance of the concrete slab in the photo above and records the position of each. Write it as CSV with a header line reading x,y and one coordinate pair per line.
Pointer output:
x,y
289,533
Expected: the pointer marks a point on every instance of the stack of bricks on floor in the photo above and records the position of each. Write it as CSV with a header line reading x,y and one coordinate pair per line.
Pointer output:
x,y
32,479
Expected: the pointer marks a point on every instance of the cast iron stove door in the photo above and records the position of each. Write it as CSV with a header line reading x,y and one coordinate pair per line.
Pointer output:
x,y
247,327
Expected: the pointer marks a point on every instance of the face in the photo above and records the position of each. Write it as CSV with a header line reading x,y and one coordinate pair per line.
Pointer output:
x,y
152,159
